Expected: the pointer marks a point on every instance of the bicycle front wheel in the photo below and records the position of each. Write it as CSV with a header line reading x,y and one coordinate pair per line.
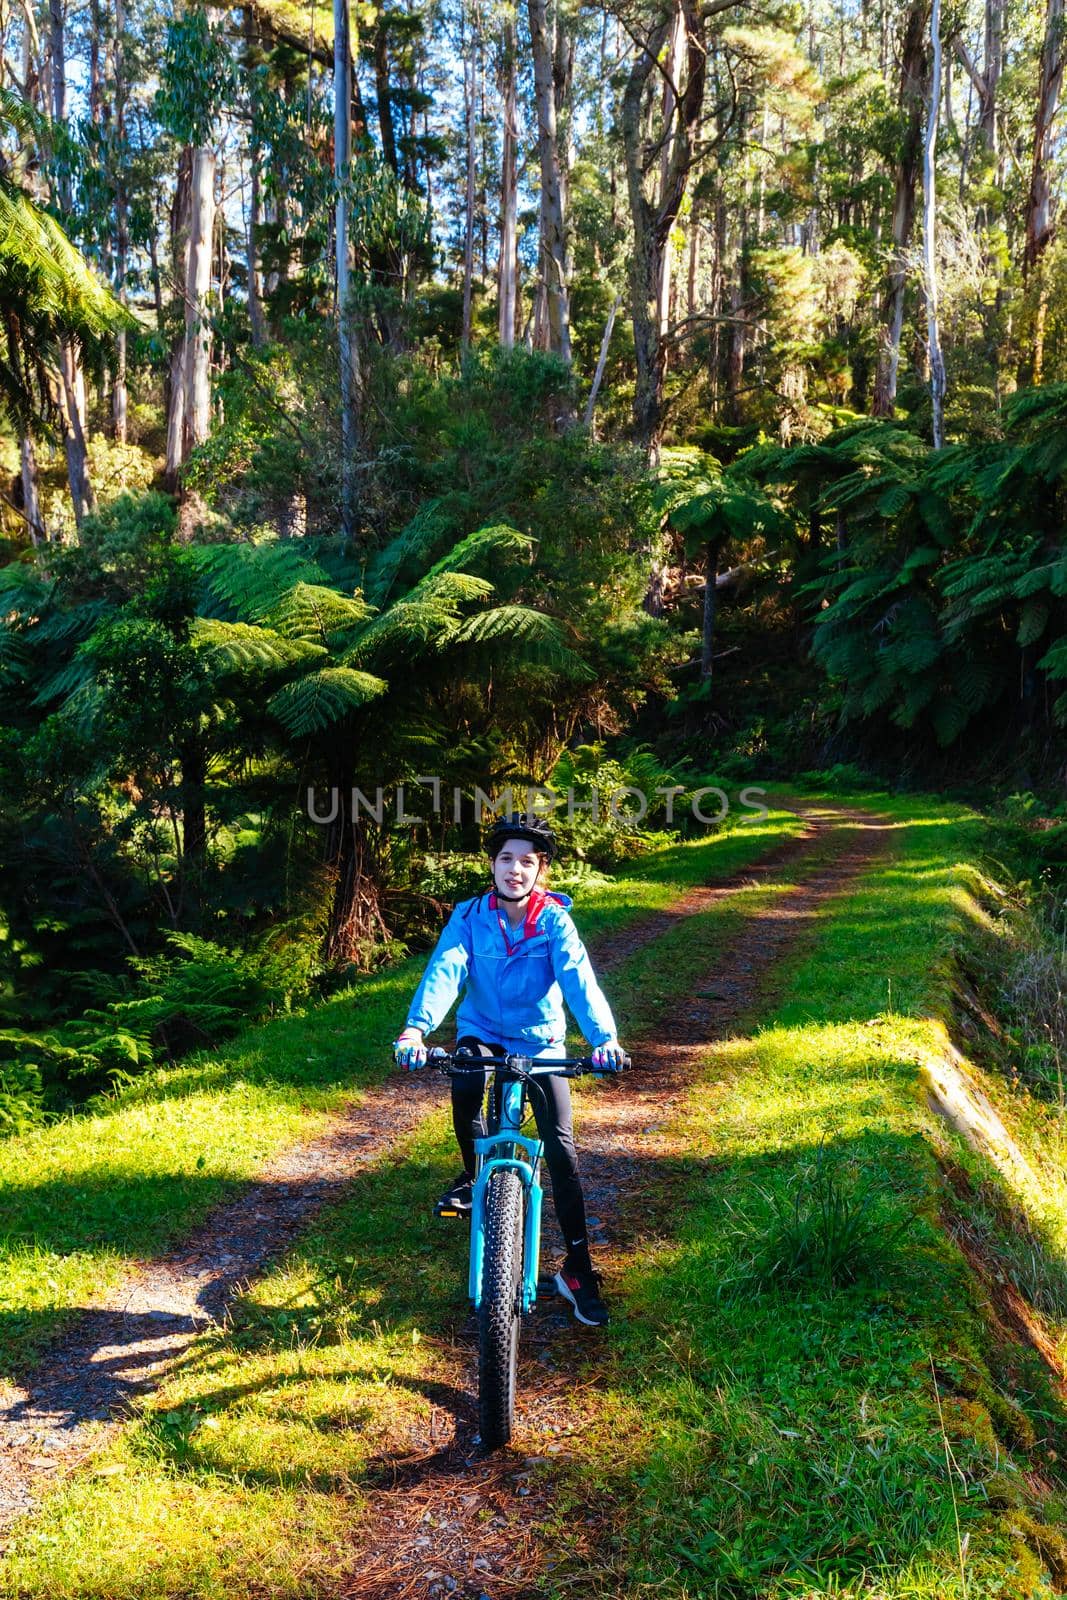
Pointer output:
x,y
501,1310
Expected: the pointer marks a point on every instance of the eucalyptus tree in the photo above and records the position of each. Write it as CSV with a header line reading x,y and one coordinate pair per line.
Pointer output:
x,y
662,122
547,36
347,344
197,80
1038,230
912,96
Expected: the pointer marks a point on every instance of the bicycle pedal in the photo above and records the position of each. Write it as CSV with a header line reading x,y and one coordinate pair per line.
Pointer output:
x,y
451,1212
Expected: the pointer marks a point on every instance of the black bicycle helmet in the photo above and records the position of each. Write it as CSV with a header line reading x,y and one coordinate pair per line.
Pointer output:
x,y
530,827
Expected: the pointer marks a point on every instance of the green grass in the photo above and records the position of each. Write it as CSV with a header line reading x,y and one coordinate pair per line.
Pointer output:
x,y
271,1430
769,1425
78,1198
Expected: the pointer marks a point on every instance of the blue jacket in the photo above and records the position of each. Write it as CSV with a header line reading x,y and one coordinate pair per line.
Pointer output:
x,y
513,987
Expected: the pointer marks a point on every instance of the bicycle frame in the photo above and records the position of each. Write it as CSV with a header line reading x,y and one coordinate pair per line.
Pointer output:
x,y
500,1150
506,1148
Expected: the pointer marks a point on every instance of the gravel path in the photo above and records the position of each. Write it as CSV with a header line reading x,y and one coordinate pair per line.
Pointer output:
x,y
453,1523
122,1347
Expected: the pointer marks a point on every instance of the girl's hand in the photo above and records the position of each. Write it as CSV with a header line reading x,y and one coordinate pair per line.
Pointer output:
x,y
409,1050
609,1056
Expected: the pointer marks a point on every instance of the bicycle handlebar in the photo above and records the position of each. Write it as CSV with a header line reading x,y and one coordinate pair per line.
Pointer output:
x,y
450,1063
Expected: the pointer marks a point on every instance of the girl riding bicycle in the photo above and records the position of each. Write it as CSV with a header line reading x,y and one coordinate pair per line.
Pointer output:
x,y
516,954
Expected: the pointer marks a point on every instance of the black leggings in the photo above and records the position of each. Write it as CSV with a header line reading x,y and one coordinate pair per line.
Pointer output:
x,y
555,1125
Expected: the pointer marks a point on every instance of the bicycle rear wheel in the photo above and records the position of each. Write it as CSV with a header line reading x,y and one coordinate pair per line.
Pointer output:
x,y
500,1313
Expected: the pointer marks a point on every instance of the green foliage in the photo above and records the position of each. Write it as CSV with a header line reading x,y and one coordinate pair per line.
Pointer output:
x,y
198,74
599,832
196,992
710,505
944,598
21,1090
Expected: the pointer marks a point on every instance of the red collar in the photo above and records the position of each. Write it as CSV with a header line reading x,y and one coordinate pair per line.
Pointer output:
x,y
534,906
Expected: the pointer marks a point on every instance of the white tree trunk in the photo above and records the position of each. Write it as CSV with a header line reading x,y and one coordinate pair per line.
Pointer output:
x,y
197,417
119,403
507,269
553,224
1039,203
347,348
31,502
71,377
674,64
933,332
470,102
598,375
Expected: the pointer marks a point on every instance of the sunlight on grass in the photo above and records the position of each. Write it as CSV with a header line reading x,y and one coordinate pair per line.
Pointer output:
x,y
770,1427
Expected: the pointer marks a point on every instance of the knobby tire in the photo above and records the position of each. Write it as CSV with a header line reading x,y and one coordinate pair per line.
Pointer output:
x,y
500,1315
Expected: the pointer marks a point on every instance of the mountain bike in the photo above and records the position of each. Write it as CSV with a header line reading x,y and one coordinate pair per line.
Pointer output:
x,y
505,1222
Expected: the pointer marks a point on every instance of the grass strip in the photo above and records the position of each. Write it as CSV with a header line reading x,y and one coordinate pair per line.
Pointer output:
x,y
770,1426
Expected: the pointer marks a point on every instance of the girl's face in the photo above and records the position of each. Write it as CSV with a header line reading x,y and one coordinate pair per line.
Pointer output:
x,y
515,868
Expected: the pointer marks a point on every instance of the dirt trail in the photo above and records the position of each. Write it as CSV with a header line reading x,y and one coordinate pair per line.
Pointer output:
x,y
453,1523
122,1347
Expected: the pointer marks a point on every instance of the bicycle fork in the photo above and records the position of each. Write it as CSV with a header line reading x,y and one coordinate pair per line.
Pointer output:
x,y
500,1152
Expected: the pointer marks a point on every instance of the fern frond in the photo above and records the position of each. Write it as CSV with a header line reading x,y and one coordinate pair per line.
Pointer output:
x,y
531,637
322,698
497,539
314,612
67,680
1032,622
238,647
14,656
245,582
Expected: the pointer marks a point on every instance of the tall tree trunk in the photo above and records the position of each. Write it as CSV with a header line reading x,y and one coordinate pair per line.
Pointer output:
x,y
71,379
355,915
508,265
675,57
119,403
986,83
933,332
75,441
912,103
197,356
1039,200
31,500
553,222
256,319
1039,224
347,346
194,827
994,66
653,219
598,376
383,96
470,106
707,640
255,202
179,256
